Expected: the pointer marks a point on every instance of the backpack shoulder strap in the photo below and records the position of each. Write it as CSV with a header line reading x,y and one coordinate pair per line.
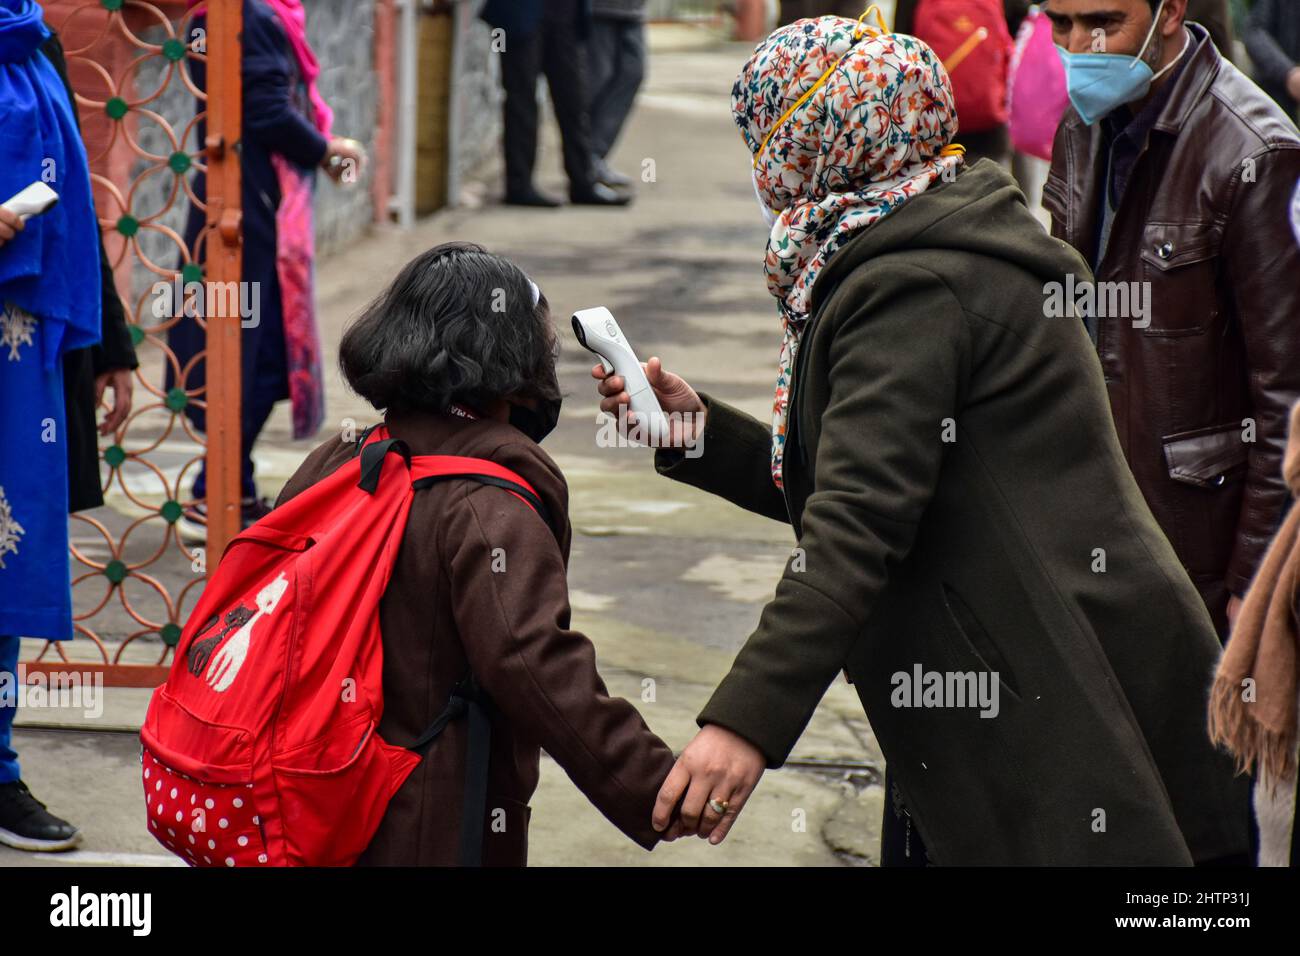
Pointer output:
x,y
468,698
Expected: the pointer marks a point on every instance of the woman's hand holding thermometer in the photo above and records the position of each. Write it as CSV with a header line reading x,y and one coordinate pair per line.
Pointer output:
x,y
634,394
682,407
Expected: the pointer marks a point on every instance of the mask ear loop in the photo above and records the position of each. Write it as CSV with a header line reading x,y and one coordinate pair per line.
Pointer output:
x,y
1151,34
859,31
865,29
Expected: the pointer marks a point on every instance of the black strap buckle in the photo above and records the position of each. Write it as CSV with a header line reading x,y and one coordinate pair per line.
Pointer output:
x,y
372,461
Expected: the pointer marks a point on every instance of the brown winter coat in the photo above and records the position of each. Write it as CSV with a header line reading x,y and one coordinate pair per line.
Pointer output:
x,y
446,611
1201,389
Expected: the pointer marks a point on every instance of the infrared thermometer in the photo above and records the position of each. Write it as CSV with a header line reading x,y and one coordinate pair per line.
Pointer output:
x,y
32,201
598,332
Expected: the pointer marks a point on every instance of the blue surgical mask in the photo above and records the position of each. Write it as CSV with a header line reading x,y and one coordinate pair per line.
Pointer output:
x,y
1102,82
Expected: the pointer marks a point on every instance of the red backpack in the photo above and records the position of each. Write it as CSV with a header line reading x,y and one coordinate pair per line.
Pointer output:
x,y
977,68
261,747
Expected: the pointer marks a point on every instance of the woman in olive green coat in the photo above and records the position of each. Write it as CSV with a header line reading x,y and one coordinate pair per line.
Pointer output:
x,y
971,546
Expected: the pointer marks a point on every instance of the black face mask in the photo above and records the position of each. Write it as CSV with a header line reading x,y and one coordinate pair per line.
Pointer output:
x,y
539,423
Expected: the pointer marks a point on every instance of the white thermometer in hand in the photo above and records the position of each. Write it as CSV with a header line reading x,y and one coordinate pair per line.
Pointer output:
x,y
599,333
32,201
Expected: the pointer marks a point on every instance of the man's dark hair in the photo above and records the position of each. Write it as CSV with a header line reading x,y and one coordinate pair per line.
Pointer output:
x,y
458,324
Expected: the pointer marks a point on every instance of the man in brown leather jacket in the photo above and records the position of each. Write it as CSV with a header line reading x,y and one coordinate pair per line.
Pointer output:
x,y
1182,195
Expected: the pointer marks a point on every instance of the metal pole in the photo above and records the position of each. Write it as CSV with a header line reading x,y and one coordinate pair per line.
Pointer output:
x,y
223,264
407,92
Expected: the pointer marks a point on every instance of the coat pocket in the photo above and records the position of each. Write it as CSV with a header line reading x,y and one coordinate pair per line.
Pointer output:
x,y
1206,457
334,791
977,638
1180,267
202,809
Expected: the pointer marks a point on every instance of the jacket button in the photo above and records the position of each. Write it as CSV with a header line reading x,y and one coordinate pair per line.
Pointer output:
x,y
1165,250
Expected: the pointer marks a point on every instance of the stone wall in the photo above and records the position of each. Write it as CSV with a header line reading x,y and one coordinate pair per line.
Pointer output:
x,y
477,88
342,32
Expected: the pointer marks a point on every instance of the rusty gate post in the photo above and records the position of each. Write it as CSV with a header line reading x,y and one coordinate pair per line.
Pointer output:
x,y
224,258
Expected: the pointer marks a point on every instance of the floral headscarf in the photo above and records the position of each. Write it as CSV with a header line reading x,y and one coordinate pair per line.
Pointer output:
x,y
845,123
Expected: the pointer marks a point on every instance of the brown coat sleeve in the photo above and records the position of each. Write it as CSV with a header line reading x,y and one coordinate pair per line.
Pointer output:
x,y
510,600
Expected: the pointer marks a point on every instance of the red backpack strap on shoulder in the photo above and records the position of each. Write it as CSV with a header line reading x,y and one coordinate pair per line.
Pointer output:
x,y
427,470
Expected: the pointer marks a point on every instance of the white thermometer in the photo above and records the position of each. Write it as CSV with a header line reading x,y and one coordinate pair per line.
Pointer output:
x,y
32,201
599,333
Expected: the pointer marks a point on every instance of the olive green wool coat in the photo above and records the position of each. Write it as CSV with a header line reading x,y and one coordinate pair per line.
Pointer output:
x,y
961,503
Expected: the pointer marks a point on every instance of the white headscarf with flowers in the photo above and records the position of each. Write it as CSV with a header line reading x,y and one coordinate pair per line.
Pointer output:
x,y
846,123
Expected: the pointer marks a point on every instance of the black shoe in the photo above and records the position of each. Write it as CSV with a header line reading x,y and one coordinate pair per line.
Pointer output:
x,y
598,194
25,824
531,197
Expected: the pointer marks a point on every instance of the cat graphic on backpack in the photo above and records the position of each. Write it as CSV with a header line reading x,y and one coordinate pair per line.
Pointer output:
x,y
224,667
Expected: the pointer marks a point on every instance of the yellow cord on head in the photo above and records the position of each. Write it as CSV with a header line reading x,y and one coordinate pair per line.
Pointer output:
x,y
953,149
863,28
797,103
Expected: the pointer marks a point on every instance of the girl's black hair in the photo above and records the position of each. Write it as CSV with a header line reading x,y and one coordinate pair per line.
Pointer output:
x,y
458,324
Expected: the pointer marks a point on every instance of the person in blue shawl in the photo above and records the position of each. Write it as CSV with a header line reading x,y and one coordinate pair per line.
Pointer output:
x,y
50,305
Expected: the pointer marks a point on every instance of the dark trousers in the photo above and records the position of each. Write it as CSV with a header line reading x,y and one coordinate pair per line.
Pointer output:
x,y
616,54
557,49
268,385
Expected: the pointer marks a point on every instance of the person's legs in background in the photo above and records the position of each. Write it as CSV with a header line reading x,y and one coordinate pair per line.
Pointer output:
x,y
521,64
564,60
270,384
25,824
8,707
602,68
617,50
265,382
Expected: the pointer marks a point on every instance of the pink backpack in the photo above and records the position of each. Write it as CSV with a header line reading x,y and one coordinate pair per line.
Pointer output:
x,y
1036,94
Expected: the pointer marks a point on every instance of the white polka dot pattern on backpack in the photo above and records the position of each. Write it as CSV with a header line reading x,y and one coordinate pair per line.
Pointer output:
x,y
219,815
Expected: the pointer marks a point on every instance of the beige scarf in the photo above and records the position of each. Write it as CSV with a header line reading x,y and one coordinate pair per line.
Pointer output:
x,y
1253,702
